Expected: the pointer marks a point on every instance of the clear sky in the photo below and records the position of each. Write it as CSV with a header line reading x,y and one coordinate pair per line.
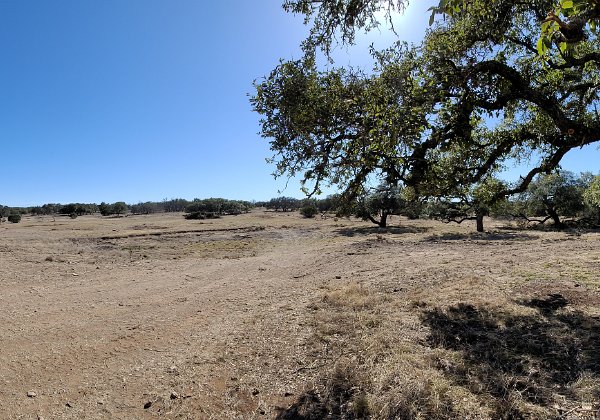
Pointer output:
x,y
142,100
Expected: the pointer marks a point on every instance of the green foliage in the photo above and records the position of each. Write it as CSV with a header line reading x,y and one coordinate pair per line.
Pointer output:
x,y
214,208
218,206
469,203
309,211
331,203
591,196
440,117
147,207
78,209
105,209
335,18
198,215
174,205
283,204
14,218
558,193
378,205
592,193
120,207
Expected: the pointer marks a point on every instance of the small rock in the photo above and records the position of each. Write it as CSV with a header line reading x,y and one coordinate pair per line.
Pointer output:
x,y
338,277
174,395
68,404
147,405
172,369
255,392
31,394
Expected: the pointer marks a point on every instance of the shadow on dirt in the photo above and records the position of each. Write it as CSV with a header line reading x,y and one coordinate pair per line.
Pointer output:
x,y
509,357
341,399
494,236
370,230
519,363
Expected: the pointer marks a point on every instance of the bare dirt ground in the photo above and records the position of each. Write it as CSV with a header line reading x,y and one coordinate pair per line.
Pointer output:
x,y
270,315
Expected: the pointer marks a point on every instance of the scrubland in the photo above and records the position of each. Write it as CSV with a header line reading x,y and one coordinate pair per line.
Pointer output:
x,y
270,315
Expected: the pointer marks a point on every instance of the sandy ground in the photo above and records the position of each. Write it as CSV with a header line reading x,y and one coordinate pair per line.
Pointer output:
x,y
157,316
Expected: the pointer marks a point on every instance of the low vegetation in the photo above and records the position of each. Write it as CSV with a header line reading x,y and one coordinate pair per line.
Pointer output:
x,y
562,198
309,210
14,218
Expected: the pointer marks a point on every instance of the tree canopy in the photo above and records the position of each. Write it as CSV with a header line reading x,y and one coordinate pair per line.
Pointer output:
x,y
554,195
477,93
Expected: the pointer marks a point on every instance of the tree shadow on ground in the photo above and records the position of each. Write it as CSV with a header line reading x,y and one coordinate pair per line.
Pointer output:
x,y
494,236
570,227
370,230
340,398
513,358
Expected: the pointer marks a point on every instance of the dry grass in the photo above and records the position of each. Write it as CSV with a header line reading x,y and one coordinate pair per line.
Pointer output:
x,y
466,348
272,315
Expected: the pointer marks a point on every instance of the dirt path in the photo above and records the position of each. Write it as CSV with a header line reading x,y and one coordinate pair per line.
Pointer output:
x,y
100,333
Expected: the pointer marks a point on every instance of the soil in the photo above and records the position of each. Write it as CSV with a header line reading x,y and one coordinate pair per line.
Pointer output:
x,y
156,316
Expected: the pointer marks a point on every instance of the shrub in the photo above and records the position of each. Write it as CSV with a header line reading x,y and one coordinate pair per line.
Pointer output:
x,y
309,211
73,215
198,215
14,218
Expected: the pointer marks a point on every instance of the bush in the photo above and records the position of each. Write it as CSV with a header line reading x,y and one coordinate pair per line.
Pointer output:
x,y
198,215
14,218
309,211
73,215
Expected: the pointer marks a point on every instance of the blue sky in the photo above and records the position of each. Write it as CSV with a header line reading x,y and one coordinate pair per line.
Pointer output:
x,y
147,99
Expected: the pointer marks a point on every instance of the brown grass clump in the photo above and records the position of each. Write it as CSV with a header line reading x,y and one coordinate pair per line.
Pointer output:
x,y
353,296
462,348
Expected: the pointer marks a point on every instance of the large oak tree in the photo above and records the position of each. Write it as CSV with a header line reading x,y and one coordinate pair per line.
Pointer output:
x,y
492,82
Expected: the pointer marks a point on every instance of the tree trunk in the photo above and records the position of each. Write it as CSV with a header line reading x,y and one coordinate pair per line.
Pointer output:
x,y
383,221
555,218
479,221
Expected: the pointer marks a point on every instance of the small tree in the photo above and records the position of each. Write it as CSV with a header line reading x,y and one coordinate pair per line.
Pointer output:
x,y
472,203
331,203
283,203
309,210
379,205
120,207
591,194
591,197
554,195
14,218
105,209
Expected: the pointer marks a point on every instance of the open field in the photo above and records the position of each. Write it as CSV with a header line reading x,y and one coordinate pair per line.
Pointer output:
x,y
269,314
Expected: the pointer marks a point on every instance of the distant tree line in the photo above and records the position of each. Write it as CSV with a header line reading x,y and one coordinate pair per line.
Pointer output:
x,y
214,207
561,197
210,208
